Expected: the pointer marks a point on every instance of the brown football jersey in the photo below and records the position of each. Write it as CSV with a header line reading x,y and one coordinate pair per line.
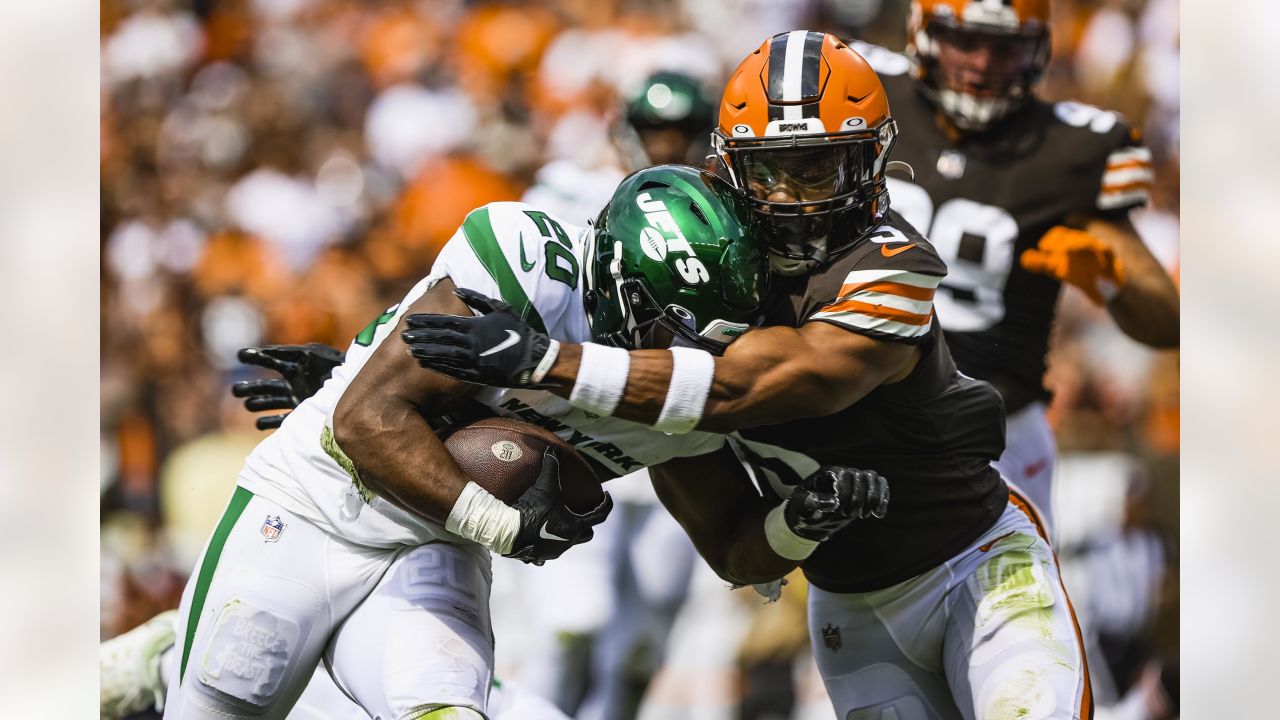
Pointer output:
x,y
985,199
932,435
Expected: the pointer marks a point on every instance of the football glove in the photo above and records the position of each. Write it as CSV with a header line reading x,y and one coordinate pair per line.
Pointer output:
x,y
1077,258
831,498
547,526
304,368
497,348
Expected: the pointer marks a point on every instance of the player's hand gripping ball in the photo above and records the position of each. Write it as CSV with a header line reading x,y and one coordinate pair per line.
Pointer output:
x,y
548,527
831,498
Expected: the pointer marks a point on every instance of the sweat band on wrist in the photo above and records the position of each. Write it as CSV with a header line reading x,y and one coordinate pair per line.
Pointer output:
x,y
783,540
544,365
480,517
602,379
692,371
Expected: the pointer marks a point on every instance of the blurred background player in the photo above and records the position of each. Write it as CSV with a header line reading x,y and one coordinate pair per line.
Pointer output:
x,y
379,125
1020,196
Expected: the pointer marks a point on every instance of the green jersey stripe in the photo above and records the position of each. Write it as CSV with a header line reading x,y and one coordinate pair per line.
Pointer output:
x,y
485,245
239,500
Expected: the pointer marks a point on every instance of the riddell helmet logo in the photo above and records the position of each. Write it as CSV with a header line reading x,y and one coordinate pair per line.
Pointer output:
x,y
663,237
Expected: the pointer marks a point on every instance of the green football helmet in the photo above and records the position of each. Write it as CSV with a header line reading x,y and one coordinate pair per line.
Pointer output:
x,y
673,262
668,118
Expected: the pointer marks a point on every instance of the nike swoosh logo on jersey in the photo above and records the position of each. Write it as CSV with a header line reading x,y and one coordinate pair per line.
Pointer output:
x,y
885,251
524,264
542,533
512,339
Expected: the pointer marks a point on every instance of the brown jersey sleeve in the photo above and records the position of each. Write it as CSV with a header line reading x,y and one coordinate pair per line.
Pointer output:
x,y
1121,163
888,285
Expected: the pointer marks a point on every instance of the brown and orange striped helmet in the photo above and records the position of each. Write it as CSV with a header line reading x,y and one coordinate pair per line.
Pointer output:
x,y
978,59
805,130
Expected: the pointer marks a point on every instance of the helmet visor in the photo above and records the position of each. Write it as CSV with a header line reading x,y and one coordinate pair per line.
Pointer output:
x,y
800,179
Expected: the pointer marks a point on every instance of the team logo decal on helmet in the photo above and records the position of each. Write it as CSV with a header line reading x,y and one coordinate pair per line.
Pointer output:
x,y
673,262
978,59
805,130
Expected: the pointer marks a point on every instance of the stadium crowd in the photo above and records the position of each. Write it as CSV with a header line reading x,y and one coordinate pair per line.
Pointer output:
x,y
282,170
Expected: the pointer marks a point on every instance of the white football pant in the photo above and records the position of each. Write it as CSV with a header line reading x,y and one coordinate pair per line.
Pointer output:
x,y
271,592
988,635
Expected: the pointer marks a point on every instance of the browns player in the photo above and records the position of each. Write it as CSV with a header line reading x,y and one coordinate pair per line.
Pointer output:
x,y
1018,195
949,607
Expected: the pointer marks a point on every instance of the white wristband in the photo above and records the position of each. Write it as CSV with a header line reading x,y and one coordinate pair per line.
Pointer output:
x,y
544,365
692,371
602,379
480,517
783,540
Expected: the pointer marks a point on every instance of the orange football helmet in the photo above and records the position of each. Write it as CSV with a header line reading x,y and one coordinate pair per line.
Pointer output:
x,y
805,131
978,59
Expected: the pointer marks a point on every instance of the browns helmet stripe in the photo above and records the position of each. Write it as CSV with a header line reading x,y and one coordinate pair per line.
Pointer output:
x,y
809,73
795,62
777,62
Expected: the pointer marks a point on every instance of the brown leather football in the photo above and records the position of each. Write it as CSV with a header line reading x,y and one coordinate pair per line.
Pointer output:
x,y
504,456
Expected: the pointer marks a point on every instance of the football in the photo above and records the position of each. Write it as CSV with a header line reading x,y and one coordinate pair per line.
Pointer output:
x,y
504,456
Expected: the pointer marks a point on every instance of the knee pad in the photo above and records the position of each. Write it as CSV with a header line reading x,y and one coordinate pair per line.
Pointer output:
x,y
444,713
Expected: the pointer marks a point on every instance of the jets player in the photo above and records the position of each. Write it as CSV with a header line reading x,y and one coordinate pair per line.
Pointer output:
x,y
1018,195
350,515
952,605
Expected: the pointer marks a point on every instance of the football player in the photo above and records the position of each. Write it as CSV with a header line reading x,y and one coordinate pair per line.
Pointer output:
x,y
1019,196
952,605
352,510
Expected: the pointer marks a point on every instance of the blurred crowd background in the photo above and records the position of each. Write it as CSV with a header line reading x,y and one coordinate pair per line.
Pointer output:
x,y
282,170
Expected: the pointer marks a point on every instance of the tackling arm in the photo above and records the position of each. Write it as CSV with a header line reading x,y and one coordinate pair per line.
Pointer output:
x,y
722,513
769,375
1146,307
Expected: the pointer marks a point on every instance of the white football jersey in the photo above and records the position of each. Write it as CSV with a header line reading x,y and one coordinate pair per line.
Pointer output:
x,y
529,259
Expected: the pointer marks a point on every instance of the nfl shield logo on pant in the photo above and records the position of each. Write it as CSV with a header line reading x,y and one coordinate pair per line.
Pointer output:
x,y
272,528
831,637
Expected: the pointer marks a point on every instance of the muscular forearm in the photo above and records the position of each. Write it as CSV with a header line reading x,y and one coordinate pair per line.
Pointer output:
x,y
770,375
750,559
1146,306
714,501
396,455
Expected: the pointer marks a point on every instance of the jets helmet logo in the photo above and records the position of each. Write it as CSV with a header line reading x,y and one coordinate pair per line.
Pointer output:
x,y
663,237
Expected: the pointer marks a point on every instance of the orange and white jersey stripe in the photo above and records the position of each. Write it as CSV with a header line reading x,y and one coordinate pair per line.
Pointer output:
x,y
1126,181
895,303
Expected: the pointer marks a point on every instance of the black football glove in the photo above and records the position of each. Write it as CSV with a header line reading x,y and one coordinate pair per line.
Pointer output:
x,y
831,498
304,369
547,526
498,348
